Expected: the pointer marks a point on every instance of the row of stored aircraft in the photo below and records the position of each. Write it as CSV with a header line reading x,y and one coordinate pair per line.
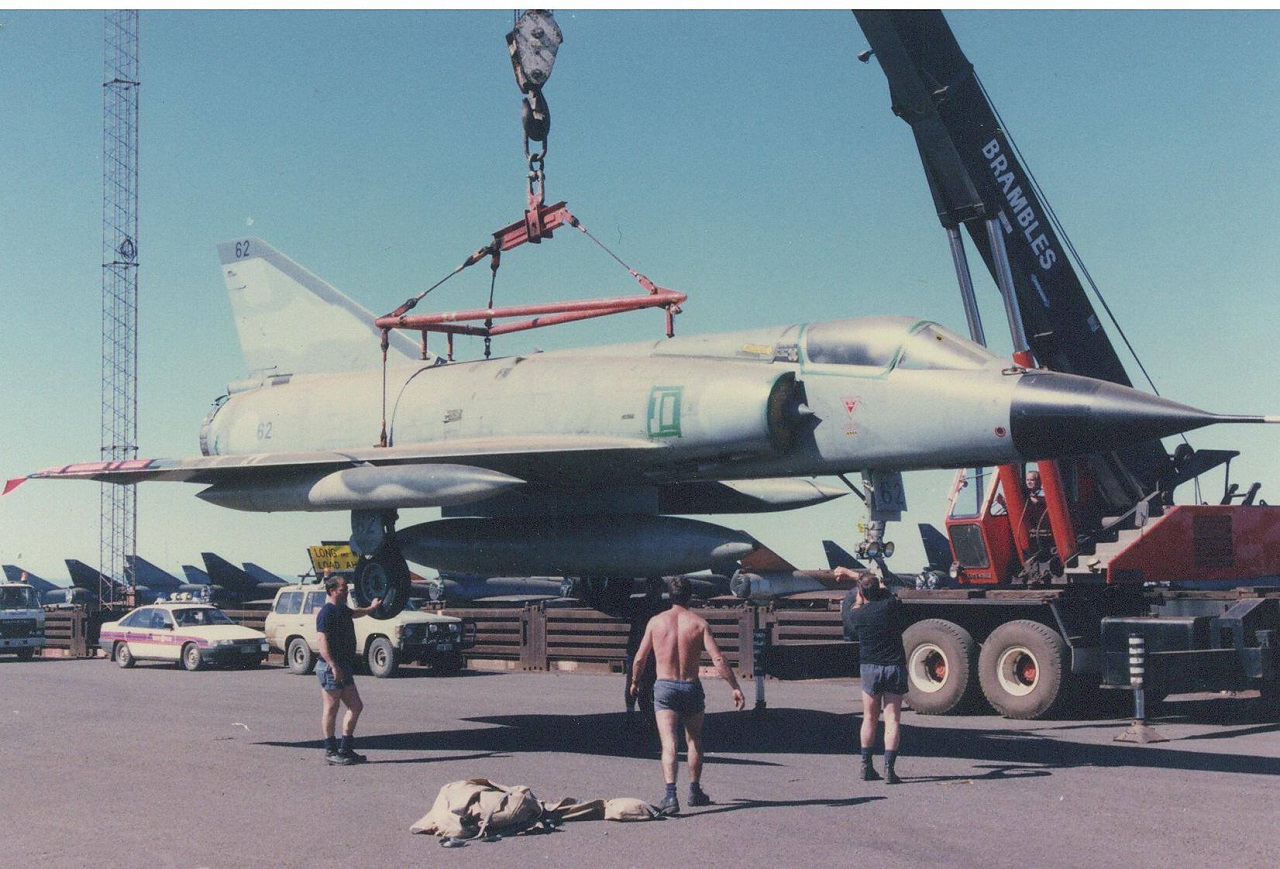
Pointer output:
x,y
220,581
762,574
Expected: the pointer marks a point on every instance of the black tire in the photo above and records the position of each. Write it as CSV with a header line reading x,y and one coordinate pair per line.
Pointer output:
x,y
299,658
1023,669
123,656
382,657
385,576
449,662
942,662
192,658
26,654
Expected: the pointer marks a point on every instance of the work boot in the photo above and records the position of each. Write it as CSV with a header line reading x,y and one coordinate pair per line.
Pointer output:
x,y
669,806
869,772
350,756
890,757
339,759
698,797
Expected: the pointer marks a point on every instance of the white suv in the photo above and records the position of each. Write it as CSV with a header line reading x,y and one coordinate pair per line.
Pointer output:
x,y
383,644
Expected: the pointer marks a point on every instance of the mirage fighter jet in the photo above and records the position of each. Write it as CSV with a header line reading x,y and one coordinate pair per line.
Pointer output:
x,y
585,463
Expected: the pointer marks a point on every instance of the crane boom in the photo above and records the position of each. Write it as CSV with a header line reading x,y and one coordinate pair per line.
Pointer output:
x,y
974,175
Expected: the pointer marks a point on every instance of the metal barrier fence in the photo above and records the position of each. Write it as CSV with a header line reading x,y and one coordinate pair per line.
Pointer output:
x,y
805,643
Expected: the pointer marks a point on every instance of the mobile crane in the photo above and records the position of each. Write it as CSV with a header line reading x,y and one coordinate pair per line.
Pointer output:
x,y
1042,599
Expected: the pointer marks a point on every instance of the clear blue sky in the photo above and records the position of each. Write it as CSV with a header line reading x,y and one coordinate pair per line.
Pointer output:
x,y
745,158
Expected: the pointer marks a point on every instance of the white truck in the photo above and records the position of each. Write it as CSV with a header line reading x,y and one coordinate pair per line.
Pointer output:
x,y
21,620
383,644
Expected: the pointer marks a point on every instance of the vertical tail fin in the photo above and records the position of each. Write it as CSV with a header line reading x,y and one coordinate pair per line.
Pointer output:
x,y
152,576
14,573
838,556
765,560
937,548
292,322
224,573
88,578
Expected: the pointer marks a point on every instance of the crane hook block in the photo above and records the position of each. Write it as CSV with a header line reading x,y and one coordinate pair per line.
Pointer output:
x,y
533,44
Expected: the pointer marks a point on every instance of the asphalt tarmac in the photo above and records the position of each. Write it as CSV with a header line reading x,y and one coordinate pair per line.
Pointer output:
x,y
158,767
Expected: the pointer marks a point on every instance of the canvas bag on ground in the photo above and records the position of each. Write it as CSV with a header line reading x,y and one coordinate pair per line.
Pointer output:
x,y
478,807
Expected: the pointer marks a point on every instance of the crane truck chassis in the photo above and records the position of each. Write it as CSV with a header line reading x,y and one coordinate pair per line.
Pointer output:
x,y
1033,653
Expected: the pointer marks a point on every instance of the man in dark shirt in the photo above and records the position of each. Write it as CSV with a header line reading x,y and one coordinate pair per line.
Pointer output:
x,y
336,670
877,619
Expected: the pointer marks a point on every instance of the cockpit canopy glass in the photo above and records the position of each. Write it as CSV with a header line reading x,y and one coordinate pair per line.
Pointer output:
x,y
931,346
899,342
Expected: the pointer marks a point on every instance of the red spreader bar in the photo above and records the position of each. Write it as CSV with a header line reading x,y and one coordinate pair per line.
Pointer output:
x,y
538,223
548,314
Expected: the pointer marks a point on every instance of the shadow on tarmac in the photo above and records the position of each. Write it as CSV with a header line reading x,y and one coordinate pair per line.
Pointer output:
x,y
738,805
1001,752
413,671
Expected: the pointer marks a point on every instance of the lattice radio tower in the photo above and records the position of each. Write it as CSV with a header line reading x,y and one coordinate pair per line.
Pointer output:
x,y
118,521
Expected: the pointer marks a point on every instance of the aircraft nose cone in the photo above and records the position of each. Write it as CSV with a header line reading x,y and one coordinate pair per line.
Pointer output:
x,y
1056,415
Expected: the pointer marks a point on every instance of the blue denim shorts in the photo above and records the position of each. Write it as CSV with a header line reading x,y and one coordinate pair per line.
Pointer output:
x,y
325,674
681,696
884,679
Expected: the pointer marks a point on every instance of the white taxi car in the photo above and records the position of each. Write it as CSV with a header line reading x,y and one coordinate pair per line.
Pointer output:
x,y
185,632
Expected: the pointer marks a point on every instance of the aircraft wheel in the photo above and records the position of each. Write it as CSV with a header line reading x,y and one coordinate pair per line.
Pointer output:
x,y
383,658
124,657
942,660
1023,669
385,576
192,658
299,657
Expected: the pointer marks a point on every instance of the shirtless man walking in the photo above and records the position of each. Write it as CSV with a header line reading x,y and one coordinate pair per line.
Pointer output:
x,y
677,639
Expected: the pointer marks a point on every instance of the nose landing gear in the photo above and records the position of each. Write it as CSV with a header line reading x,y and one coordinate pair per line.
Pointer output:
x,y
382,572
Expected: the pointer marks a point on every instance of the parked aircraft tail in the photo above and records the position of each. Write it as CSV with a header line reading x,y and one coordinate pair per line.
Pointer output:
x,y
224,573
937,549
292,322
88,578
96,583
14,573
262,576
838,556
764,560
153,577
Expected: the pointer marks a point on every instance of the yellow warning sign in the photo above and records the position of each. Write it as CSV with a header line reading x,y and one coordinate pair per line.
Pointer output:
x,y
334,556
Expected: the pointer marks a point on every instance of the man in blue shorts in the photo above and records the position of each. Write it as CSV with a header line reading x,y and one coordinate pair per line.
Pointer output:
x,y
877,619
336,670
677,639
